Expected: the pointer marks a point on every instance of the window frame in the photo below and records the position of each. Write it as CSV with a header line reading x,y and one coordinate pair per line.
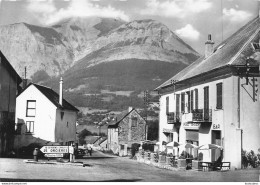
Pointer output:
x,y
191,100
27,108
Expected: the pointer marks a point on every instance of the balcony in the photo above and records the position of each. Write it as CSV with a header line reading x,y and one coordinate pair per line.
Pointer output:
x,y
204,115
173,117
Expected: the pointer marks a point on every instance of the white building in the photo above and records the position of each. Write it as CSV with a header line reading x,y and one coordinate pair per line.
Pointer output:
x,y
43,116
210,101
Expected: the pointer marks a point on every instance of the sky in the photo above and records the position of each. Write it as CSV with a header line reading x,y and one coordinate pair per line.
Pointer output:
x,y
191,20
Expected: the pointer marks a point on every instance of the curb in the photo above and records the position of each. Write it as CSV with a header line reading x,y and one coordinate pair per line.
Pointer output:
x,y
55,163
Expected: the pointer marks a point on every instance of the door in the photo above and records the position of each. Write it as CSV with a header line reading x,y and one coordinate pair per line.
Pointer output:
x,y
216,139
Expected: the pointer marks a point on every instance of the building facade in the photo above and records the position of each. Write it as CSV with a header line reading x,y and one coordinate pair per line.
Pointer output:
x,y
126,128
43,116
215,100
9,83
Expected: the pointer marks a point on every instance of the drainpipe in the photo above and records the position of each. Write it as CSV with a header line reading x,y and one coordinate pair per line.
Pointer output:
x,y
238,102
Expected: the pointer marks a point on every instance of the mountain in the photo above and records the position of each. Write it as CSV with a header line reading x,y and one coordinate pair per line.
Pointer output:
x,y
98,58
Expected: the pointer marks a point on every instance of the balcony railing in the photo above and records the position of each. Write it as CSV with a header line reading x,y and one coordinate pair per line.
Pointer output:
x,y
202,115
173,117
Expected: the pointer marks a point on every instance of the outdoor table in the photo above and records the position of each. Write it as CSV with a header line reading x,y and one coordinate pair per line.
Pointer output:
x,y
207,166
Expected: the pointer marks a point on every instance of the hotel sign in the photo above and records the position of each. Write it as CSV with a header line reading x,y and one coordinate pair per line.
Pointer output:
x,y
191,125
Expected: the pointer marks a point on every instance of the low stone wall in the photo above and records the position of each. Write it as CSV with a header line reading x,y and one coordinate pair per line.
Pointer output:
x,y
160,161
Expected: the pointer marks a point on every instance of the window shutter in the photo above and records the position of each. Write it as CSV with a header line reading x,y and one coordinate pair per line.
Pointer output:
x,y
188,93
206,98
177,103
196,99
167,105
182,102
191,100
219,96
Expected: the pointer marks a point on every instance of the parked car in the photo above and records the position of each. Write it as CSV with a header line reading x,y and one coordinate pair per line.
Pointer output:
x,y
79,153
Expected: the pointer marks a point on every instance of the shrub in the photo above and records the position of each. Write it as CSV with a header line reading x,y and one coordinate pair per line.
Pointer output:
x,y
250,159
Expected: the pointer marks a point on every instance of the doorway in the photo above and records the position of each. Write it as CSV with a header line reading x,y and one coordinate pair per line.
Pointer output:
x,y
216,139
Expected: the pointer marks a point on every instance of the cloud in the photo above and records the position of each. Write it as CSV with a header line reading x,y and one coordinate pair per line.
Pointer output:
x,y
188,32
235,15
49,14
179,9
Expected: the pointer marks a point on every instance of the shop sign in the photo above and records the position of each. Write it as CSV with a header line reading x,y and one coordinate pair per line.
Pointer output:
x,y
168,130
216,127
191,125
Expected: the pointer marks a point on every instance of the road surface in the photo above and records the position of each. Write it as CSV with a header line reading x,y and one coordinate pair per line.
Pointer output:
x,y
100,167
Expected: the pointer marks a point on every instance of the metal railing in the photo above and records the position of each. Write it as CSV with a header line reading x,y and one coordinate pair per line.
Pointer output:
x,y
202,115
173,117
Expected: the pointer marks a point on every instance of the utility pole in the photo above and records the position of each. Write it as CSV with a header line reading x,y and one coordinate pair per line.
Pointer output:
x,y
146,102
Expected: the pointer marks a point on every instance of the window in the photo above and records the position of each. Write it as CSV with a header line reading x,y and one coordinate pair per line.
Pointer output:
x,y
191,100
167,105
188,106
134,121
31,108
196,99
29,126
219,96
182,102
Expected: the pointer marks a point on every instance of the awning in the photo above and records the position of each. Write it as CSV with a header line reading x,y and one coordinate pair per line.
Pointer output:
x,y
168,130
192,135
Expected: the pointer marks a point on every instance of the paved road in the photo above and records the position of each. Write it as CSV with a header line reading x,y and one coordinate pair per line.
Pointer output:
x,y
103,168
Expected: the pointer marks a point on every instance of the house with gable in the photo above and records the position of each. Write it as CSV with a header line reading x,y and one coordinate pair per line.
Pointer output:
x,y
216,99
126,128
43,116
9,85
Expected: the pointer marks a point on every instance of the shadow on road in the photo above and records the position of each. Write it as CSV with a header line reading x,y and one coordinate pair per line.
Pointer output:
x,y
52,180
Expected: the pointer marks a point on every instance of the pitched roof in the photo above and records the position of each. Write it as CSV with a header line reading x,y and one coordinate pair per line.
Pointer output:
x,y
10,68
53,97
91,139
225,54
118,118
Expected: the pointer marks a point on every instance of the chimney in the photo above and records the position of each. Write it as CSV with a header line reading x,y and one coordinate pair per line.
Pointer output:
x,y
24,80
130,109
209,49
61,92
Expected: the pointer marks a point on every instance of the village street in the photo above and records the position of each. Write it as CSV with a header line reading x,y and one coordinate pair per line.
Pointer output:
x,y
101,167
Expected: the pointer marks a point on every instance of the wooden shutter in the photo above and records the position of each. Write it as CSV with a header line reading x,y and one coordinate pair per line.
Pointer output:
x,y
182,102
177,103
188,93
219,96
191,100
196,99
167,105
206,98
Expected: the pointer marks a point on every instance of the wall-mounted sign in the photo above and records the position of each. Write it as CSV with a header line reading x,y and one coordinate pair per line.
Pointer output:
x,y
168,130
216,127
53,155
191,125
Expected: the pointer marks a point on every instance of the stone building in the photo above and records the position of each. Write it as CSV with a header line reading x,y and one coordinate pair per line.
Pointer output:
x,y
216,99
9,84
125,129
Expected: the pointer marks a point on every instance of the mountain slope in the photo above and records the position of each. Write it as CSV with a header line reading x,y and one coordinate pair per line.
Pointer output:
x,y
98,58
37,48
143,39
